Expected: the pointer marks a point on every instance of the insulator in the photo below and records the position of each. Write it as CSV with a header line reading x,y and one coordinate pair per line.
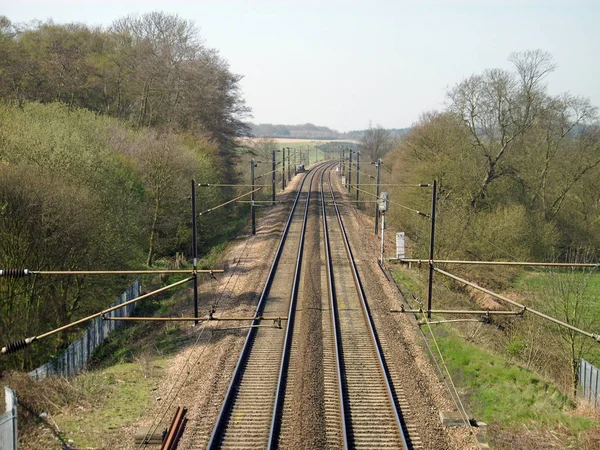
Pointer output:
x,y
14,273
15,346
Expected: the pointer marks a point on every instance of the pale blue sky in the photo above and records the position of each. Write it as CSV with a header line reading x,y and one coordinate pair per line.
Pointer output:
x,y
345,63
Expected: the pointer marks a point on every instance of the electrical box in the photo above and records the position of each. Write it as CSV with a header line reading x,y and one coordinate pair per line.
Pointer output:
x,y
384,201
343,180
400,245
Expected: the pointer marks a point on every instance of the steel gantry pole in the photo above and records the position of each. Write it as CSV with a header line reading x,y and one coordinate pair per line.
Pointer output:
x,y
273,180
295,163
376,206
289,161
252,210
195,251
431,248
283,170
357,175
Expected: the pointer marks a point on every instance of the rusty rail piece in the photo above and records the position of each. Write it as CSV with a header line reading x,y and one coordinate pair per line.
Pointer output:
x,y
223,420
15,346
351,427
594,336
175,430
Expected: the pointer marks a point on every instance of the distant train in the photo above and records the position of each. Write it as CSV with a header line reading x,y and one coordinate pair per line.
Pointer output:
x,y
300,168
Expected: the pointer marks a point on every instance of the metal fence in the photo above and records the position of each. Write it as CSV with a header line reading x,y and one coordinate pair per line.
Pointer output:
x,y
8,421
73,359
589,383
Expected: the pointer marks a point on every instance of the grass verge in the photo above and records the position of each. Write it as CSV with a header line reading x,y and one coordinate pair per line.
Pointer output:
x,y
516,402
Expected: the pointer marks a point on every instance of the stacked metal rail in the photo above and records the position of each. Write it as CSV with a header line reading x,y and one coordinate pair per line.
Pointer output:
x,y
370,417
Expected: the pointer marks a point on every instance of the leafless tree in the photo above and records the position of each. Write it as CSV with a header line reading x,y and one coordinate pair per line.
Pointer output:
x,y
498,107
376,142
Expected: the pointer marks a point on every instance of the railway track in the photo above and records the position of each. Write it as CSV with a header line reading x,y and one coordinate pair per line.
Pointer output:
x,y
250,411
360,406
369,414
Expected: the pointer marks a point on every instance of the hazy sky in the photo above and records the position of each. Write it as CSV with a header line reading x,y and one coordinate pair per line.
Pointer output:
x,y
344,64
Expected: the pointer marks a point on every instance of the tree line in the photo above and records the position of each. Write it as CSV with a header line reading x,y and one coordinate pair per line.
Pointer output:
x,y
101,131
310,131
151,70
515,165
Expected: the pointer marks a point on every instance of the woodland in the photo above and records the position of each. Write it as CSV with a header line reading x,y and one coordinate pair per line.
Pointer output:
x,y
101,132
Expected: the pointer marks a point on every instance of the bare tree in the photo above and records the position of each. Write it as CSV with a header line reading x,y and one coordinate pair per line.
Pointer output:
x,y
263,148
376,142
498,107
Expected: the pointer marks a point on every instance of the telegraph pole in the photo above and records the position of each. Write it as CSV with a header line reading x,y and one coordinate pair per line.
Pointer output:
x,y
253,211
376,207
195,251
283,170
350,171
357,174
431,248
273,179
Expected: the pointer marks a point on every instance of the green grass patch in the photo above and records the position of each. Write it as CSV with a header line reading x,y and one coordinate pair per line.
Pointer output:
x,y
502,393
405,280
114,397
535,281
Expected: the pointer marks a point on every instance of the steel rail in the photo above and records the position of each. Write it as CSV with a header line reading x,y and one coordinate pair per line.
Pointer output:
x,y
14,346
416,211
238,371
393,185
191,319
485,312
594,336
281,382
335,319
206,211
25,272
495,263
371,326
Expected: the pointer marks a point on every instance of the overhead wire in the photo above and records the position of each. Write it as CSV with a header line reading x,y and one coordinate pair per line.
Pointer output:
x,y
456,396
445,373
397,204
228,202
